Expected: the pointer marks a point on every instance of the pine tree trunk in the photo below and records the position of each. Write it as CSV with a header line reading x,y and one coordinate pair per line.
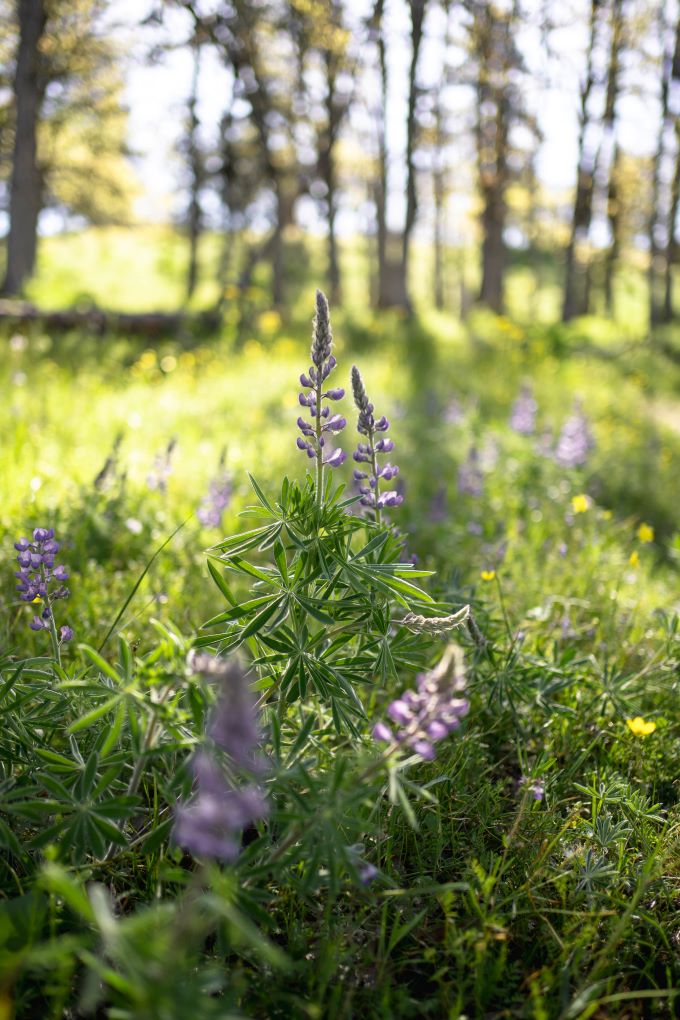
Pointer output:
x,y
580,221
417,9
26,180
195,217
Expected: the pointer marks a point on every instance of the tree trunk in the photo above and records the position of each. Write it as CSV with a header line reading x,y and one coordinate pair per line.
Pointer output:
x,y
380,189
614,217
417,10
195,217
580,221
26,181
671,246
659,222
333,118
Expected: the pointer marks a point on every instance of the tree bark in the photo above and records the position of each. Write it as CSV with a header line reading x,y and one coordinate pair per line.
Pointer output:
x,y
580,220
26,180
417,11
195,217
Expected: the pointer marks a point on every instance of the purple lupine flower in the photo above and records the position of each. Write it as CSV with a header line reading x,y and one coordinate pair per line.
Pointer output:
x,y
470,478
575,440
523,413
65,634
217,498
367,453
323,424
162,468
438,509
453,412
536,787
37,575
367,873
428,714
211,824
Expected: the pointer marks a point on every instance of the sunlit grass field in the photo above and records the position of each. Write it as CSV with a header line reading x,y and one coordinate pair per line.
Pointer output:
x,y
573,573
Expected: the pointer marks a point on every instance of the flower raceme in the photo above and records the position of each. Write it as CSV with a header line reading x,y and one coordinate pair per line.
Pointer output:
x,y
433,711
367,453
211,824
323,425
41,579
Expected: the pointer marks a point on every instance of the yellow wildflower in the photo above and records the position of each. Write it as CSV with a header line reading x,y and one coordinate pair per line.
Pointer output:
x,y
488,575
645,533
606,515
640,727
36,599
579,504
634,558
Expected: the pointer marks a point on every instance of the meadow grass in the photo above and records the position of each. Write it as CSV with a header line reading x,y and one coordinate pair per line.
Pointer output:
x,y
489,901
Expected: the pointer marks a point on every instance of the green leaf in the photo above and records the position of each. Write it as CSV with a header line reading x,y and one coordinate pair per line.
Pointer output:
x,y
261,496
259,621
100,662
90,718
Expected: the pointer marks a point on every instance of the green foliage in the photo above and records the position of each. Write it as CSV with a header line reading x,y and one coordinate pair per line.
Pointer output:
x,y
486,901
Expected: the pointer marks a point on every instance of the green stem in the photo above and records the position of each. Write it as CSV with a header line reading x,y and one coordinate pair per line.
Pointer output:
x,y
319,450
54,637
374,467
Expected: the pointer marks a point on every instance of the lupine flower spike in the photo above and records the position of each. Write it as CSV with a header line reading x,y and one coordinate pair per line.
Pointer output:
x,y
41,582
217,498
323,424
432,712
367,453
575,440
211,824
523,413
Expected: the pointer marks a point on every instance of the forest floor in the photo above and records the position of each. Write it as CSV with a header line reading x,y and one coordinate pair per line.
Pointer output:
x,y
490,901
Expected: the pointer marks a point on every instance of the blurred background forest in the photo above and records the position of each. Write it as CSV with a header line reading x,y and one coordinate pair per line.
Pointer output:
x,y
213,156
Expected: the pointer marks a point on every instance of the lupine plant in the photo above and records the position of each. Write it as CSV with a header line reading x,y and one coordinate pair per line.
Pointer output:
x,y
323,617
41,583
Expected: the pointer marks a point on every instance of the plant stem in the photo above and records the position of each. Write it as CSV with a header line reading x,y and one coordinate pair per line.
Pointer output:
x,y
374,467
319,450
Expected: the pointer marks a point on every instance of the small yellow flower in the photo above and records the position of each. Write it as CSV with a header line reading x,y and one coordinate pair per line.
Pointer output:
x,y
634,559
579,504
488,575
640,727
36,599
645,533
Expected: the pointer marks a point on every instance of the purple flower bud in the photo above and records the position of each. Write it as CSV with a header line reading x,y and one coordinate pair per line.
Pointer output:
x,y
391,498
306,381
41,535
336,394
389,471
301,444
381,731
437,730
335,424
22,545
328,367
61,573
358,475
424,749
384,445
304,400
37,624
51,546
24,559
400,712
65,634
336,458
367,873
382,424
